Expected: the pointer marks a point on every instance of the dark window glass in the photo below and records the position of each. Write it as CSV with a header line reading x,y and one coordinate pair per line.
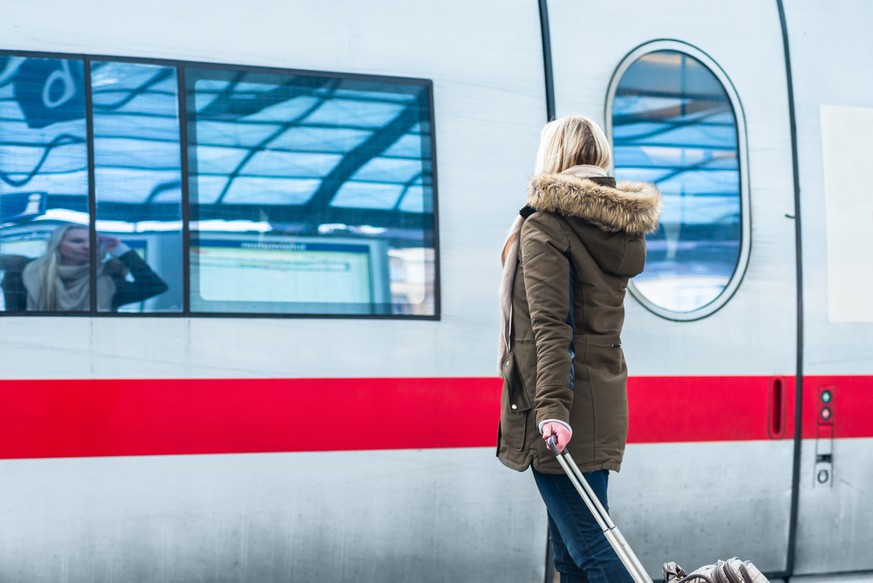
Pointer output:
x,y
44,239
673,124
138,186
138,182
309,195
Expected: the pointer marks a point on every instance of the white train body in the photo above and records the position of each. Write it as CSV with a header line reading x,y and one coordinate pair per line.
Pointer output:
x,y
717,465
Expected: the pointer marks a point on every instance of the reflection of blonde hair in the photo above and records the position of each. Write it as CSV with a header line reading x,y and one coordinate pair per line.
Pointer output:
x,y
570,141
46,264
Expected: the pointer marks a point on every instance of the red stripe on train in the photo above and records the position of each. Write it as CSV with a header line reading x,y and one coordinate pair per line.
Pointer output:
x,y
83,418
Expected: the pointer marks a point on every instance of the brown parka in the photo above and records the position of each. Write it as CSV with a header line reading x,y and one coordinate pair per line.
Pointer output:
x,y
582,240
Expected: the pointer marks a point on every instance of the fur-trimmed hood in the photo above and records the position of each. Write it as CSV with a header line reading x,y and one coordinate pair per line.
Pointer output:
x,y
632,207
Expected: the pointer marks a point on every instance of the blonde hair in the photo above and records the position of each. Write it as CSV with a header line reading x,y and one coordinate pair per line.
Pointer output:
x,y
571,141
47,264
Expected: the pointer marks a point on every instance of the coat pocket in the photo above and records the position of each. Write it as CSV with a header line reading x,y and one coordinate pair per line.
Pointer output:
x,y
515,406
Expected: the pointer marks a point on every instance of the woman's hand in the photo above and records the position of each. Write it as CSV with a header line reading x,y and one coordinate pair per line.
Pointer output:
x,y
109,243
561,433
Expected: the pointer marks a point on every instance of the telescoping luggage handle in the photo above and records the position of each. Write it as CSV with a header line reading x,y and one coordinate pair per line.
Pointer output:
x,y
610,531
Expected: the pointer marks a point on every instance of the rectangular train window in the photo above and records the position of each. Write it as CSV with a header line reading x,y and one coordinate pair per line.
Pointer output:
x,y
309,194
129,186
138,178
43,185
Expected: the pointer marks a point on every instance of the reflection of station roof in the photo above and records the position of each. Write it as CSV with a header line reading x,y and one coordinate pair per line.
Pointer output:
x,y
673,125
278,147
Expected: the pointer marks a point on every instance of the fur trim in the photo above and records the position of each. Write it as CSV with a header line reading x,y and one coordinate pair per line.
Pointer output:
x,y
633,207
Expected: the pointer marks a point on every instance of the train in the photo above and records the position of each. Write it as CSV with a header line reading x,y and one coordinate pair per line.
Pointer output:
x,y
324,189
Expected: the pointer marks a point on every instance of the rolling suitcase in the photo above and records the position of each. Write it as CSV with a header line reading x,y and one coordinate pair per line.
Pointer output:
x,y
730,571
610,531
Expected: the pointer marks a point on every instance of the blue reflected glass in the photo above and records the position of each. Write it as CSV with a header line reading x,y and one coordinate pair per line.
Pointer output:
x,y
309,194
138,180
43,180
674,125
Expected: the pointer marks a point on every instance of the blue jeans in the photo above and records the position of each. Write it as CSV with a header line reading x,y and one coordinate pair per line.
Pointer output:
x,y
582,554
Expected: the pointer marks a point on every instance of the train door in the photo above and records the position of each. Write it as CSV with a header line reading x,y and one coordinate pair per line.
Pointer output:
x,y
835,119
710,334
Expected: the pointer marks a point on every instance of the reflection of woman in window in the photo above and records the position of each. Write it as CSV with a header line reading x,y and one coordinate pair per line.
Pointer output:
x,y
59,280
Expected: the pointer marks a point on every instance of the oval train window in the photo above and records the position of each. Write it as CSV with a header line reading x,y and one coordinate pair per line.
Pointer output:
x,y
674,120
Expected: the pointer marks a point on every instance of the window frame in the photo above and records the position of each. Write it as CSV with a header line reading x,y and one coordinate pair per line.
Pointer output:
x,y
745,246
182,97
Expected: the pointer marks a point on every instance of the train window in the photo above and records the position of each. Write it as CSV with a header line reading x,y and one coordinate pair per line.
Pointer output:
x,y
44,210
137,180
309,194
674,121
183,188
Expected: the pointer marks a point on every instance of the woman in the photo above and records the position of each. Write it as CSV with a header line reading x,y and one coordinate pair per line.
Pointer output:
x,y
59,280
566,266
